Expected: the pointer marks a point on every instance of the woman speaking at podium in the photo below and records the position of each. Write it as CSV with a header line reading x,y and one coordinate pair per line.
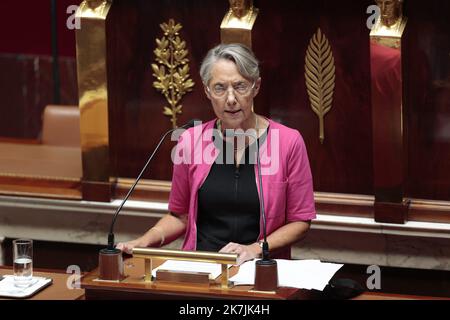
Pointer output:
x,y
215,202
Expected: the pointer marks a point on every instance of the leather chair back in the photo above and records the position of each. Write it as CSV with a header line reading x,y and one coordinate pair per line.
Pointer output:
x,y
61,126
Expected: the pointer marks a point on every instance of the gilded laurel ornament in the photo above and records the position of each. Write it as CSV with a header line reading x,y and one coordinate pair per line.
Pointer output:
x,y
320,74
172,69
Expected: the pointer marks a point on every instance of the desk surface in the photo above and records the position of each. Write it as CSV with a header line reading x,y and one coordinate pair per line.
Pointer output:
x,y
56,291
134,287
40,170
40,160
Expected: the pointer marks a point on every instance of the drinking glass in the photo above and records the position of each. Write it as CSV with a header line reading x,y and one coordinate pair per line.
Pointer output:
x,y
23,262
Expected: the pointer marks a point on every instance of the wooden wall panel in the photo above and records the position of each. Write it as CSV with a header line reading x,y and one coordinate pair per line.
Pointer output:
x,y
136,119
343,164
28,30
26,87
427,97
281,35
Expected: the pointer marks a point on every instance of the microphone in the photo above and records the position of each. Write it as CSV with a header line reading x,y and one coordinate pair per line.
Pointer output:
x,y
188,125
109,263
266,272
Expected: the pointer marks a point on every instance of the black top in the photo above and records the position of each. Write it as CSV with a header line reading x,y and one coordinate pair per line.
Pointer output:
x,y
228,202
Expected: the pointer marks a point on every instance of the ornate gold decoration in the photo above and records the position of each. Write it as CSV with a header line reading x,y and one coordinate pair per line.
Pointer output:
x,y
320,76
391,12
172,73
237,24
240,15
95,8
92,89
391,24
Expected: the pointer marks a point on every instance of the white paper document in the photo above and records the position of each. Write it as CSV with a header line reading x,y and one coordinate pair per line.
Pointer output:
x,y
8,289
302,274
214,269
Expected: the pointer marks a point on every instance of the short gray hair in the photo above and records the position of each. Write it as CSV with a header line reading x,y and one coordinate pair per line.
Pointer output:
x,y
241,55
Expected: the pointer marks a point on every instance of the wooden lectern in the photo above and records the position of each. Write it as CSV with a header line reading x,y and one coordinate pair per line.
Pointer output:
x,y
135,287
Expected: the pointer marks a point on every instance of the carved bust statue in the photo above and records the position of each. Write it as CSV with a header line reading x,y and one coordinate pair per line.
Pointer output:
x,y
95,8
238,22
93,4
241,15
391,11
391,22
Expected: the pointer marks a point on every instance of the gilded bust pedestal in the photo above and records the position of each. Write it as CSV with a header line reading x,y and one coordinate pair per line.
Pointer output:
x,y
390,27
238,22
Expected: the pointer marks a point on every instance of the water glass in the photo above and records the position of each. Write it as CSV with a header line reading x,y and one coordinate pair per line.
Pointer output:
x,y
23,262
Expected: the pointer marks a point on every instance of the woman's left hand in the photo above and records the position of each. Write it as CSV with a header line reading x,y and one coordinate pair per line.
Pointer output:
x,y
244,252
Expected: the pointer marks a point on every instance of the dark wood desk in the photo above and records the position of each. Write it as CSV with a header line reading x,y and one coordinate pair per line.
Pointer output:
x,y
56,291
40,170
134,287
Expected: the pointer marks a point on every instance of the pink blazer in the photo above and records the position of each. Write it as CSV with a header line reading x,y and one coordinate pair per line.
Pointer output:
x,y
286,178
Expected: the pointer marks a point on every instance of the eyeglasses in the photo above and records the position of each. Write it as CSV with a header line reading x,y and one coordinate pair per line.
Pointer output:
x,y
242,88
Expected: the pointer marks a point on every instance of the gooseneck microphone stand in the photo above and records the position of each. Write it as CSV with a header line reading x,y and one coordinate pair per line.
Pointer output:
x,y
266,269
110,258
